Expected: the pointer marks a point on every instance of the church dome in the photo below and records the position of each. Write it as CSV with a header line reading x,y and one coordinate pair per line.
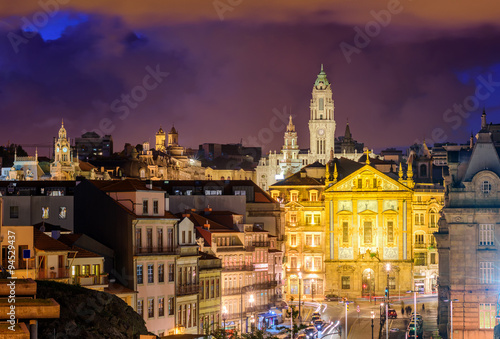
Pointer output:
x,y
173,130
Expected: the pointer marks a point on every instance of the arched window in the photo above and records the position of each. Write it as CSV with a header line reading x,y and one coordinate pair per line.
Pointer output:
x,y
486,187
433,218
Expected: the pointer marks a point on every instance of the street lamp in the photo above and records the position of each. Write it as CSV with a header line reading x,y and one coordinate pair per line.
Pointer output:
x,y
251,300
373,317
388,268
345,329
224,316
451,314
312,289
300,312
414,311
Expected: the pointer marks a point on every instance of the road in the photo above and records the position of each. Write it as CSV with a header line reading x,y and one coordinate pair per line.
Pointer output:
x,y
359,324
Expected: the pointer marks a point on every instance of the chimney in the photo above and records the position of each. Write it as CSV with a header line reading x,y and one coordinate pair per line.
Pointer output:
x,y
186,215
208,209
207,225
149,184
56,234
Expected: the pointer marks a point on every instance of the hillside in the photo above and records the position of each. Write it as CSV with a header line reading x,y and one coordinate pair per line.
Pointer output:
x,y
88,314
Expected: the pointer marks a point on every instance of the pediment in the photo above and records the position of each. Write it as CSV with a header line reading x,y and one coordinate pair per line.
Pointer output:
x,y
367,178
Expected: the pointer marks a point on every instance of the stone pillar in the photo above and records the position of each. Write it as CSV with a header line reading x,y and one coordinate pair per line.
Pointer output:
x,y
33,329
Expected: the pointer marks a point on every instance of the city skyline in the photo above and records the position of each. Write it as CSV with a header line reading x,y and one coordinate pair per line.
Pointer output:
x,y
215,65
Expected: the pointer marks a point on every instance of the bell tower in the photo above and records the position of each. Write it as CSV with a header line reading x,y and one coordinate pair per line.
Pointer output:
x,y
321,121
62,147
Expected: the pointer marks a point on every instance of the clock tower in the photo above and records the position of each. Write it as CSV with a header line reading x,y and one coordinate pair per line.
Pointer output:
x,y
64,166
321,122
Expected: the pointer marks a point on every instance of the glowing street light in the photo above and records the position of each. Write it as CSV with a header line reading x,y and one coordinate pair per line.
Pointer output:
x,y
224,316
451,314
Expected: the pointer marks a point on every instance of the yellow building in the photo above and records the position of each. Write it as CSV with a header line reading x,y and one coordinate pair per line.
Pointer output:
x,y
301,196
368,230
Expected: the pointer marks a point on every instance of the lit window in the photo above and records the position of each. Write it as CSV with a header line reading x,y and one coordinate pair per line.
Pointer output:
x,y
308,240
346,283
45,212
161,306
487,313
145,207
140,307
139,274
62,212
293,240
294,196
313,196
151,308
367,232
150,273
390,231
345,232
155,206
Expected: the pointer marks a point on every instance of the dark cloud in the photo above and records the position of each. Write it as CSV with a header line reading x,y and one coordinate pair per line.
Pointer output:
x,y
227,78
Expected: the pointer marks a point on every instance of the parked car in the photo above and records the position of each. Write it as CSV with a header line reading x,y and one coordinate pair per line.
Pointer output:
x,y
314,318
311,332
411,332
419,318
332,297
392,314
316,313
318,324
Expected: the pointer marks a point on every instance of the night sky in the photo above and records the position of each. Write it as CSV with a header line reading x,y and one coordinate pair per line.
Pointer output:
x,y
229,70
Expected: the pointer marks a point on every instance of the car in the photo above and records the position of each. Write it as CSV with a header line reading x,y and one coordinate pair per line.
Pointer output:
x,y
316,313
332,297
318,324
302,336
311,332
314,318
411,332
392,314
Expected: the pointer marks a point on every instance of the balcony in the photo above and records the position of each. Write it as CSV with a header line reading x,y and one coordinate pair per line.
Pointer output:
x,y
260,243
188,289
238,268
91,280
155,250
419,245
58,273
231,291
265,285
238,248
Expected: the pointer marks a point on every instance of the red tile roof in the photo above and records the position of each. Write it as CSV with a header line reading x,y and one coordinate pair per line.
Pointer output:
x,y
45,243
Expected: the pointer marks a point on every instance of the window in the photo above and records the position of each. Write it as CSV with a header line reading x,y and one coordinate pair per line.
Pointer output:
x,y
293,218
487,313
367,232
317,240
313,196
360,183
293,262
159,239
486,272
317,263
161,306
139,274
308,240
486,235
190,236
206,291
170,272
138,238
217,284
170,239
195,315
420,259
293,240
240,192
151,276
433,258
149,239
140,307
14,212
62,212
432,219
345,232
486,187
45,212
171,307
212,288
274,194
155,207
294,196
419,240
85,270
202,289
419,218
312,219
183,237
151,308
145,206
161,272
392,283
390,231
321,104
346,283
